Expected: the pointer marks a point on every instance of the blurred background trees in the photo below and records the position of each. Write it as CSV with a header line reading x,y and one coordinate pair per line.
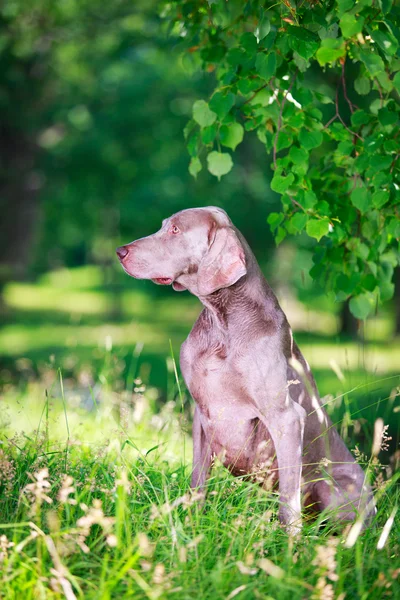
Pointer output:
x,y
93,103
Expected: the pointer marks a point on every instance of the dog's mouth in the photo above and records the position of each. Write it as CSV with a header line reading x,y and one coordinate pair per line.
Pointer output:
x,y
178,287
163,280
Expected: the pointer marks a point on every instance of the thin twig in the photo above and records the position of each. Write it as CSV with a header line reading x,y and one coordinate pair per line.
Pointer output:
x,y
350,130
255,94
297,203
285,95
335,116
349,102
394,162
380,91
337,113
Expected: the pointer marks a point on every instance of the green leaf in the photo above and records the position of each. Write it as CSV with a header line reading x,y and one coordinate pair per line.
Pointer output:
x,y
317,228
268,41
275,219
246,85
362,251
344,6
360,117
221,103
195,166
264,27
299,158
344,149
391,146
187,130
193,143
323,208
346,284
249,42
262,98
298,221
350,26
280,235
266,64
386,41
202,113
396,81
208,134
386,290
213,53
310,139
380,198
360,198
373,62
330,50
231,135
236,56
281,184
369,282
393,227
386,6
301,63
310,199
302,41
362,305
298,155
384,81
285,140
362,85
387,117
219,163
380,162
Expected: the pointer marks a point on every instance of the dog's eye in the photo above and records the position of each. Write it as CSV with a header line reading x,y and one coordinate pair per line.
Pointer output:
x,y
174,229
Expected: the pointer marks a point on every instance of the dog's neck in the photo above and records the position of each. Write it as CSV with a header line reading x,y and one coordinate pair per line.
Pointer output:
x,y
228,305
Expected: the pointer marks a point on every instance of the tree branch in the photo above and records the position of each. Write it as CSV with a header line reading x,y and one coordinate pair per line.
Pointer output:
x,y
255,93
337,113
280,114
349,102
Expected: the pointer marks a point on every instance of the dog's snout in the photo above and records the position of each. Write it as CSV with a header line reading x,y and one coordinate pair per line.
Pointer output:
x,y
122,251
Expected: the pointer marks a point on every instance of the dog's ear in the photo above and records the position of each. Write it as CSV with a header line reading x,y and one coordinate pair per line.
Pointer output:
x,y
223,264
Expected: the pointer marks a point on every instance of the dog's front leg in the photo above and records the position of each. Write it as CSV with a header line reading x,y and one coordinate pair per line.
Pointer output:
x,y
201,453
285,423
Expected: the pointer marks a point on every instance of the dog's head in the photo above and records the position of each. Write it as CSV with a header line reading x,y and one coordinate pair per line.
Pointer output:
x,y
195,249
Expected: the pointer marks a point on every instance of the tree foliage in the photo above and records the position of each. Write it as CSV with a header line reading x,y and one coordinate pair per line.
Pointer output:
x,y
319,84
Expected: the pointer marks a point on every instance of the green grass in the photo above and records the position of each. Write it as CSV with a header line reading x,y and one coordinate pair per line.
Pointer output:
x,y
151,538
72,403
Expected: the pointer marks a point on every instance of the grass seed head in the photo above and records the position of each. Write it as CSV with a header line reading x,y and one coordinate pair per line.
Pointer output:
x,y
7,473
66,490
5,545
36,491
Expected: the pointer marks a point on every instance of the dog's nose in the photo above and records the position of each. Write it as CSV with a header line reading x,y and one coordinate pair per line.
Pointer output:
x,y
122,251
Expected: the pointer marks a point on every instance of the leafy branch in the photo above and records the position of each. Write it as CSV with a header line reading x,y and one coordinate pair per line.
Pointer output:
x,y
342,171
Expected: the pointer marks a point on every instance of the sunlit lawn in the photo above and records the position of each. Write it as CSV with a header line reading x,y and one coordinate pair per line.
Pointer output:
x,y
69,317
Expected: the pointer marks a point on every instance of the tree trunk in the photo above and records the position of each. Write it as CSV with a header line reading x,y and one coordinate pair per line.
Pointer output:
x,y
349,324
19,207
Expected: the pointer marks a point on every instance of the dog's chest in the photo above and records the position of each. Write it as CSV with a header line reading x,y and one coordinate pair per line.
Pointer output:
x,y
205,371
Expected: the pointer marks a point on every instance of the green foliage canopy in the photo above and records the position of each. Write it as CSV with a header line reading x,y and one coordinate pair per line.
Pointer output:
x,y
319,84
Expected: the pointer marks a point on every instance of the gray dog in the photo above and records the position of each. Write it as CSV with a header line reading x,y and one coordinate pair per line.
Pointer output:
x,y
257,405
